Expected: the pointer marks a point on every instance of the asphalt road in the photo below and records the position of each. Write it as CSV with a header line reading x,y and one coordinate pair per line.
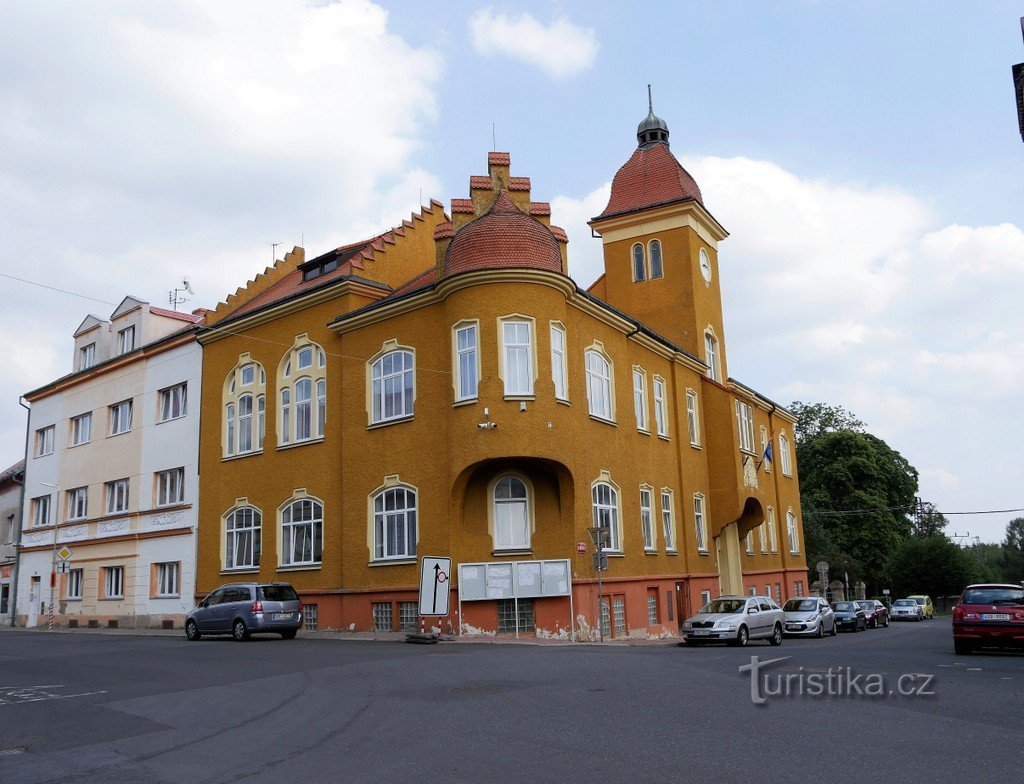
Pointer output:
x,y
95,708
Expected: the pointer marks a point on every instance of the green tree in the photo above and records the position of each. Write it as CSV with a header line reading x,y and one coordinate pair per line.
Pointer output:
x,y
933,566
928,521
844,470
814,419
990,561
1013,551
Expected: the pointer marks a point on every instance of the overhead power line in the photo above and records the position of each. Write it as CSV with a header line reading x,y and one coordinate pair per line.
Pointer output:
x,y
54,288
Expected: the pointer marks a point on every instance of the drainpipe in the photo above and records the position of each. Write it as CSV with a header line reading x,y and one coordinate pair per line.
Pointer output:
x,y
13,606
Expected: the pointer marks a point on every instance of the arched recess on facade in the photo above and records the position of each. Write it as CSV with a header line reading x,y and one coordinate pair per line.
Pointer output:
x,y
550,503
751,517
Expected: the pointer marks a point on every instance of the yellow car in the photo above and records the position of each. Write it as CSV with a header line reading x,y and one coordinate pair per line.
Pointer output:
x,y
925,603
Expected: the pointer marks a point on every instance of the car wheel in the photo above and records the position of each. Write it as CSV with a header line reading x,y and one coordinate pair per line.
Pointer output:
x,y
742,637
239,632
821,630
962,647
288,635
776,638
834,631
886,624
192,630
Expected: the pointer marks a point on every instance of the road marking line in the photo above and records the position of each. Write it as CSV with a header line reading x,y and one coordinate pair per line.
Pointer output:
x,y
974,669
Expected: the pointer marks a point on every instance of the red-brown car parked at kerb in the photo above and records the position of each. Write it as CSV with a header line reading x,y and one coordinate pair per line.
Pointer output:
x,y
989,616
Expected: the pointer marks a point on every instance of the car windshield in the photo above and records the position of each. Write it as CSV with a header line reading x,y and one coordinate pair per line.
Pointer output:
x,y
801,605
920,600
904,603
278,593
724,606
845,606
994,596
867,605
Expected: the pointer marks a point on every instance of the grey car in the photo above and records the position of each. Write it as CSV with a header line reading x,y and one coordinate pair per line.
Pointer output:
x,y
809,616
243,609
736,620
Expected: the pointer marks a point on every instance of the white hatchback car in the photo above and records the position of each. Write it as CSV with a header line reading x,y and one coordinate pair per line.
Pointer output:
x,y
809,615
736,620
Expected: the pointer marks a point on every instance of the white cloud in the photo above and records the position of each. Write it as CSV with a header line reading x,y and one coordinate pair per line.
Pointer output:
x,y
560,49
849,294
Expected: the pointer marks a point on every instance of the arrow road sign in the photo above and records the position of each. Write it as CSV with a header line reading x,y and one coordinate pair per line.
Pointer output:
x,y
435,575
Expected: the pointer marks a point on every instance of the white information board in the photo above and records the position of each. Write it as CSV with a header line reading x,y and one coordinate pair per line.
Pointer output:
x,y
513,580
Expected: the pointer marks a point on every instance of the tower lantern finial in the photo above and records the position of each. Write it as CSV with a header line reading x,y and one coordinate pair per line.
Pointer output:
x,y
653,130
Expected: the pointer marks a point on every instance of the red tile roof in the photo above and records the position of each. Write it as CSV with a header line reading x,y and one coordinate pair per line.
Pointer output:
x,y
503,238
424,279
462,205
649,178
498,159
189,317
519,183
540,208
444,230
481,183
559,233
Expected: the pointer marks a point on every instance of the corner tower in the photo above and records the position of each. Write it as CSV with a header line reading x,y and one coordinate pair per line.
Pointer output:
x,y
661,248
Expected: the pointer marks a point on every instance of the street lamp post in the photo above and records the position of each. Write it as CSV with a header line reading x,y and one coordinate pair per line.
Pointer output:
x,y
53,557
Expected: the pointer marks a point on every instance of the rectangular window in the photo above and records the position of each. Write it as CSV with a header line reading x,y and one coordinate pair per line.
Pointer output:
x,y
44,441
798,588
126,340
785,461
699,523
310,617
745,426
8,532
78,503
749,541
467,362
619,615
121,417
87,356
382,616
646,523
113,582
773,540
606,628
41,510
668,521
518,353
74,584
762,538
711,357
692,423
167,579
507,619
652,606
559,369
705,598
640,398
599,385
660,408
117,496
765,457
81,429
408,617
170,487
172,402
794,545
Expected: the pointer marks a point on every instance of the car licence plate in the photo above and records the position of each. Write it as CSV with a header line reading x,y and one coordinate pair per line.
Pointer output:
x,y
995,616
701,632
282,616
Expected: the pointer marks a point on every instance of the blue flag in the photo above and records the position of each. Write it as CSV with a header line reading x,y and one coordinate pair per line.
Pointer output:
x,y
768,452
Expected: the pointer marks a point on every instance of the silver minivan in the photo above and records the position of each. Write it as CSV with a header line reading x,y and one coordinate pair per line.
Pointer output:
x,y
243,609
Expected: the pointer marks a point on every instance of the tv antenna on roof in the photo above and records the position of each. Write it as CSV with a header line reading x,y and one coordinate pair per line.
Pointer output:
x,y
273,251
175,298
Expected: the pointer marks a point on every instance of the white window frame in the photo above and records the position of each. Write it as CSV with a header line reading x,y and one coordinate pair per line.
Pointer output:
x,y
174,402
640,399
650,260
762,538
705,598
748,542
292,529
379,380
73,591
126,340
41,510
647,518
406,519
559,361
600,384
700,522
243,525
77,503
168,580
113,582
692,418
170,487
87,356
794,545
785,458
764,448
517,355
466,350
303,408
44,440
116,496
509,543
81,429
302,391
668,519
745,426
711,357
607,511
120,417
660,407
773,537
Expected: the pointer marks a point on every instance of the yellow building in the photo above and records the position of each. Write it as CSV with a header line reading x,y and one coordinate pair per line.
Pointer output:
x,y
445,388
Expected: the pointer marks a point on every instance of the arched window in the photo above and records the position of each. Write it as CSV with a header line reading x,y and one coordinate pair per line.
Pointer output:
x,y
243,527
711,358
392,379
606,512
244,400
303,369
639,265
655,254
394,523
599,385
511,512
302,532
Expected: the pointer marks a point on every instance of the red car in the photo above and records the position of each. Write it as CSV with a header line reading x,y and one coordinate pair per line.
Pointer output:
x,y
989,615
876,613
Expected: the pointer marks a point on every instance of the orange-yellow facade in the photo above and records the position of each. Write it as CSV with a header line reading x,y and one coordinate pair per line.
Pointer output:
x,y
529,424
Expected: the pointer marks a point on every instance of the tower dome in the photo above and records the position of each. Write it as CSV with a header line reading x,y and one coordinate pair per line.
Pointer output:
x,y
653,130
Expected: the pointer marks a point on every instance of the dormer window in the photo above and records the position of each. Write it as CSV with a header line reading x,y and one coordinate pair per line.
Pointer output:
x,y
87,356
639,263
316,270
126,340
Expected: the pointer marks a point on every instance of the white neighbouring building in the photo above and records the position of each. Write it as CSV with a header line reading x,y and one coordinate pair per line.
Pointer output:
x,y
112,471
10,499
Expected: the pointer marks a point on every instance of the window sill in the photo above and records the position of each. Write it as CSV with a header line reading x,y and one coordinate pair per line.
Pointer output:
x,y
241,455
613,553
510,553
167,596
83,443
112,599
673,551
695,446
563,401
122,433
525,397
703,552
664,437
387,422
300,567
467,402
650,551
72,598
643,431
393,562
242,570
611,422
293,444
788,476
171,419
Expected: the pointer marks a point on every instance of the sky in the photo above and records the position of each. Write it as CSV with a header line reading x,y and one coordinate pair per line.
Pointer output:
x,y
865,158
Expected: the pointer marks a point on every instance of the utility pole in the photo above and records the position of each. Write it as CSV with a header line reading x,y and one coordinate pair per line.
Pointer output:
x,y
600,535
53,557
